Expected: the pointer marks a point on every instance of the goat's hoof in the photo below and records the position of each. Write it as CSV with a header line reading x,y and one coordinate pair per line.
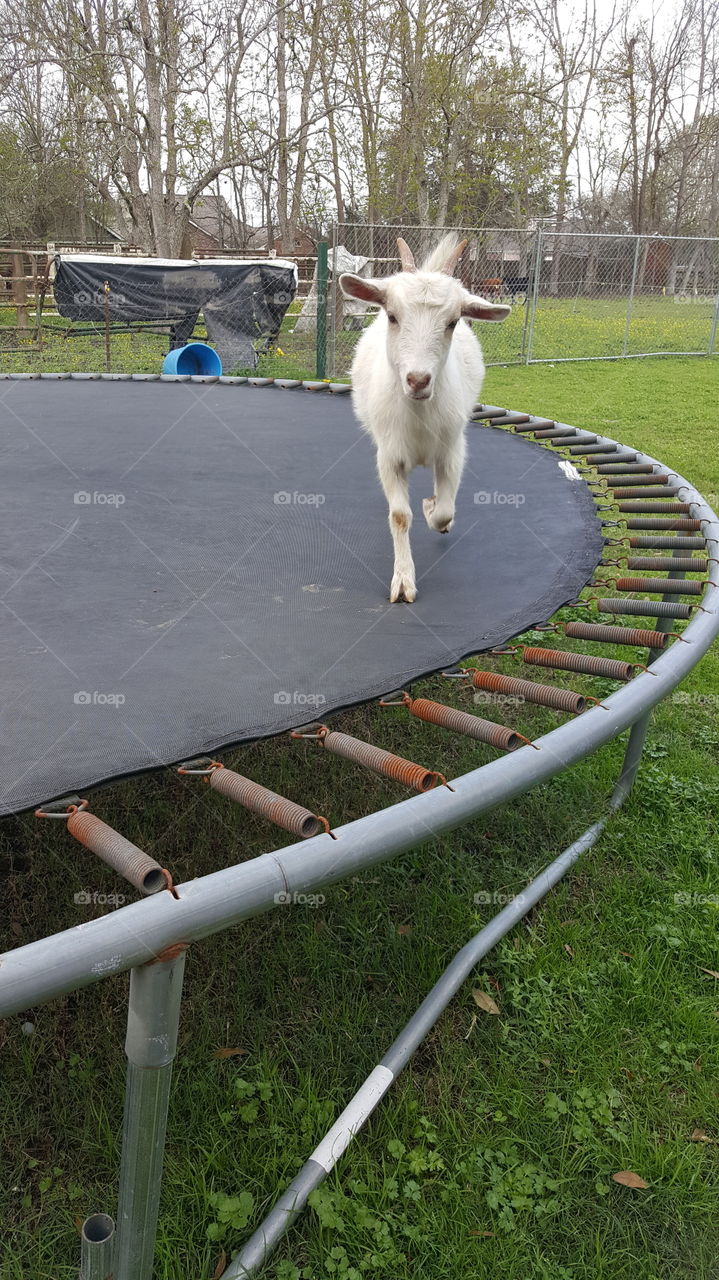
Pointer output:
x,y
402,588
441,523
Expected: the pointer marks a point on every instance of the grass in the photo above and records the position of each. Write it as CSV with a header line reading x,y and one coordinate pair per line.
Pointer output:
x,y
493,1154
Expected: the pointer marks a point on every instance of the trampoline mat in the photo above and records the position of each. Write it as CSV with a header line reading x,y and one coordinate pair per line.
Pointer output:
x,y
187,566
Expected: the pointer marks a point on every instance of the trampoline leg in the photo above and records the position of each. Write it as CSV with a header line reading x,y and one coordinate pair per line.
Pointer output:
x,y
152,1024
97,1244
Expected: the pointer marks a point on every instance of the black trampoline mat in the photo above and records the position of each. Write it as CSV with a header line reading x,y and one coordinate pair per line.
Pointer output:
x,y
187,566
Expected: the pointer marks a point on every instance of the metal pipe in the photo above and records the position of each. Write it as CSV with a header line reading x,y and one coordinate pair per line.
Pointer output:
x,y
135,933
254,1255
153,1016
97,1241
630,301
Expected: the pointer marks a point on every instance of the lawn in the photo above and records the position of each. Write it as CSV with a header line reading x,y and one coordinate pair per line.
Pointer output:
x,y
494,1152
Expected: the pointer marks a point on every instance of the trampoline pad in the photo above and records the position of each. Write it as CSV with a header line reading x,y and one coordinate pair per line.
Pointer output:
x,y
186,566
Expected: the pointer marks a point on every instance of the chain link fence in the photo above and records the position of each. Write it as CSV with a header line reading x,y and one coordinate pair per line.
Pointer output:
x,y
574,296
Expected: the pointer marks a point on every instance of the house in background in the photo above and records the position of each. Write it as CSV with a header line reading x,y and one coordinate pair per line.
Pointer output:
x,y
213,227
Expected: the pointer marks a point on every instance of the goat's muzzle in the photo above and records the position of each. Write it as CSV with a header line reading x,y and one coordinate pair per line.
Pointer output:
x,y
419,385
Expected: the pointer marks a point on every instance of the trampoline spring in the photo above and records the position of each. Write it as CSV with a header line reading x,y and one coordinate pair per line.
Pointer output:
x,y
594,448
665,564
524,424
487,411
554,433
496,735
658,543
662,586
636,491
536,424
664,508
603,633
258,799
380,761
508,418
645,608
625,468
588,439
543,695
588,664
124,857
657,522
651,477
612,459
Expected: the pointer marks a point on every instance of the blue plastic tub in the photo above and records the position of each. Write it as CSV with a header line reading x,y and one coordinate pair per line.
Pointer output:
x,y
195,358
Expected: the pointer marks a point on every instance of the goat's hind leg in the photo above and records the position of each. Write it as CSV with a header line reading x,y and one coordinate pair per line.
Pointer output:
x,y
393,477
439,509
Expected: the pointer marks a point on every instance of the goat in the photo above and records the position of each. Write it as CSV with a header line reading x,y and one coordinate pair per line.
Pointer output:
x,y
415,376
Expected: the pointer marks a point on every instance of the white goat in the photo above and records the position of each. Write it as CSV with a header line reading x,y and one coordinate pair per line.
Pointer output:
x,y
416,374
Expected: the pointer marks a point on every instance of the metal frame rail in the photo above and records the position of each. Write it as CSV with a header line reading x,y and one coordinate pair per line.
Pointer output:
x,y
150,937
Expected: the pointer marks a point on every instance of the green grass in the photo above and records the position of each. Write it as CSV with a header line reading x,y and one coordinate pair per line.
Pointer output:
x,y
493,1154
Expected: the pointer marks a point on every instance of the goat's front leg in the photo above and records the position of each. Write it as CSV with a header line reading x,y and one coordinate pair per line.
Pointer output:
x,y
393,478
439,509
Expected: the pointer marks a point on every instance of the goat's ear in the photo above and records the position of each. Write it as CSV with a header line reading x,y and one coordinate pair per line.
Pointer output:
x,y
365,290
475,308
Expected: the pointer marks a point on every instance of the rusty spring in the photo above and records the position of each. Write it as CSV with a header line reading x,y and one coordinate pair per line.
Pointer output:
x,y
662,586
659,543
605,634
380,761
528,690
588,664
657,522
593,448
645,608
651,478
625,468
285,813
636,491
497,735
664,508
665,564
119,853
611,459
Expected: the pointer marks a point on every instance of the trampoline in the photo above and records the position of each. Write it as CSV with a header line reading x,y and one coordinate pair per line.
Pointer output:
x,y
192,566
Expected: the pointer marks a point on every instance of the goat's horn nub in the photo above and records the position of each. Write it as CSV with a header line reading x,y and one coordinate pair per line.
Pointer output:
x,y
454,257
406,255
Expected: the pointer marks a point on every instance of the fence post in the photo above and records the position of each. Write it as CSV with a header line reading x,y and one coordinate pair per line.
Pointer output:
x,y
630,302
19,290
715,326
321,333
535,294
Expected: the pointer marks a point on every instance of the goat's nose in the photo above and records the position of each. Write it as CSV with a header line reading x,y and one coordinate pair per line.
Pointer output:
x,y
418,381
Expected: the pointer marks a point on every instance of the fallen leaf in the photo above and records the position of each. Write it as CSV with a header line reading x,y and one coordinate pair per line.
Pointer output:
x,y
220,1267
487,1235
484,1001
700,1136
472,1025
628,954
712,972
229,1053
404,929
565,923
568,950
628,1179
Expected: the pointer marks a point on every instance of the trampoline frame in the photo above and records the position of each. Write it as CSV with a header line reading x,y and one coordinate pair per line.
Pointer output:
x,y
150,937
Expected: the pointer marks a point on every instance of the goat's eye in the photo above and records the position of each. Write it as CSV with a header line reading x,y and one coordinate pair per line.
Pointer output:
x,y
392,319
453,324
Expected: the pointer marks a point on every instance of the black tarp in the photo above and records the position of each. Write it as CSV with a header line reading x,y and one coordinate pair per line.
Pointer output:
x,y
186,566
241,302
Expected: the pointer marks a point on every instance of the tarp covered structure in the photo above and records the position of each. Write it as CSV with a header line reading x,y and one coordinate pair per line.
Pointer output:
x,y
242,302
